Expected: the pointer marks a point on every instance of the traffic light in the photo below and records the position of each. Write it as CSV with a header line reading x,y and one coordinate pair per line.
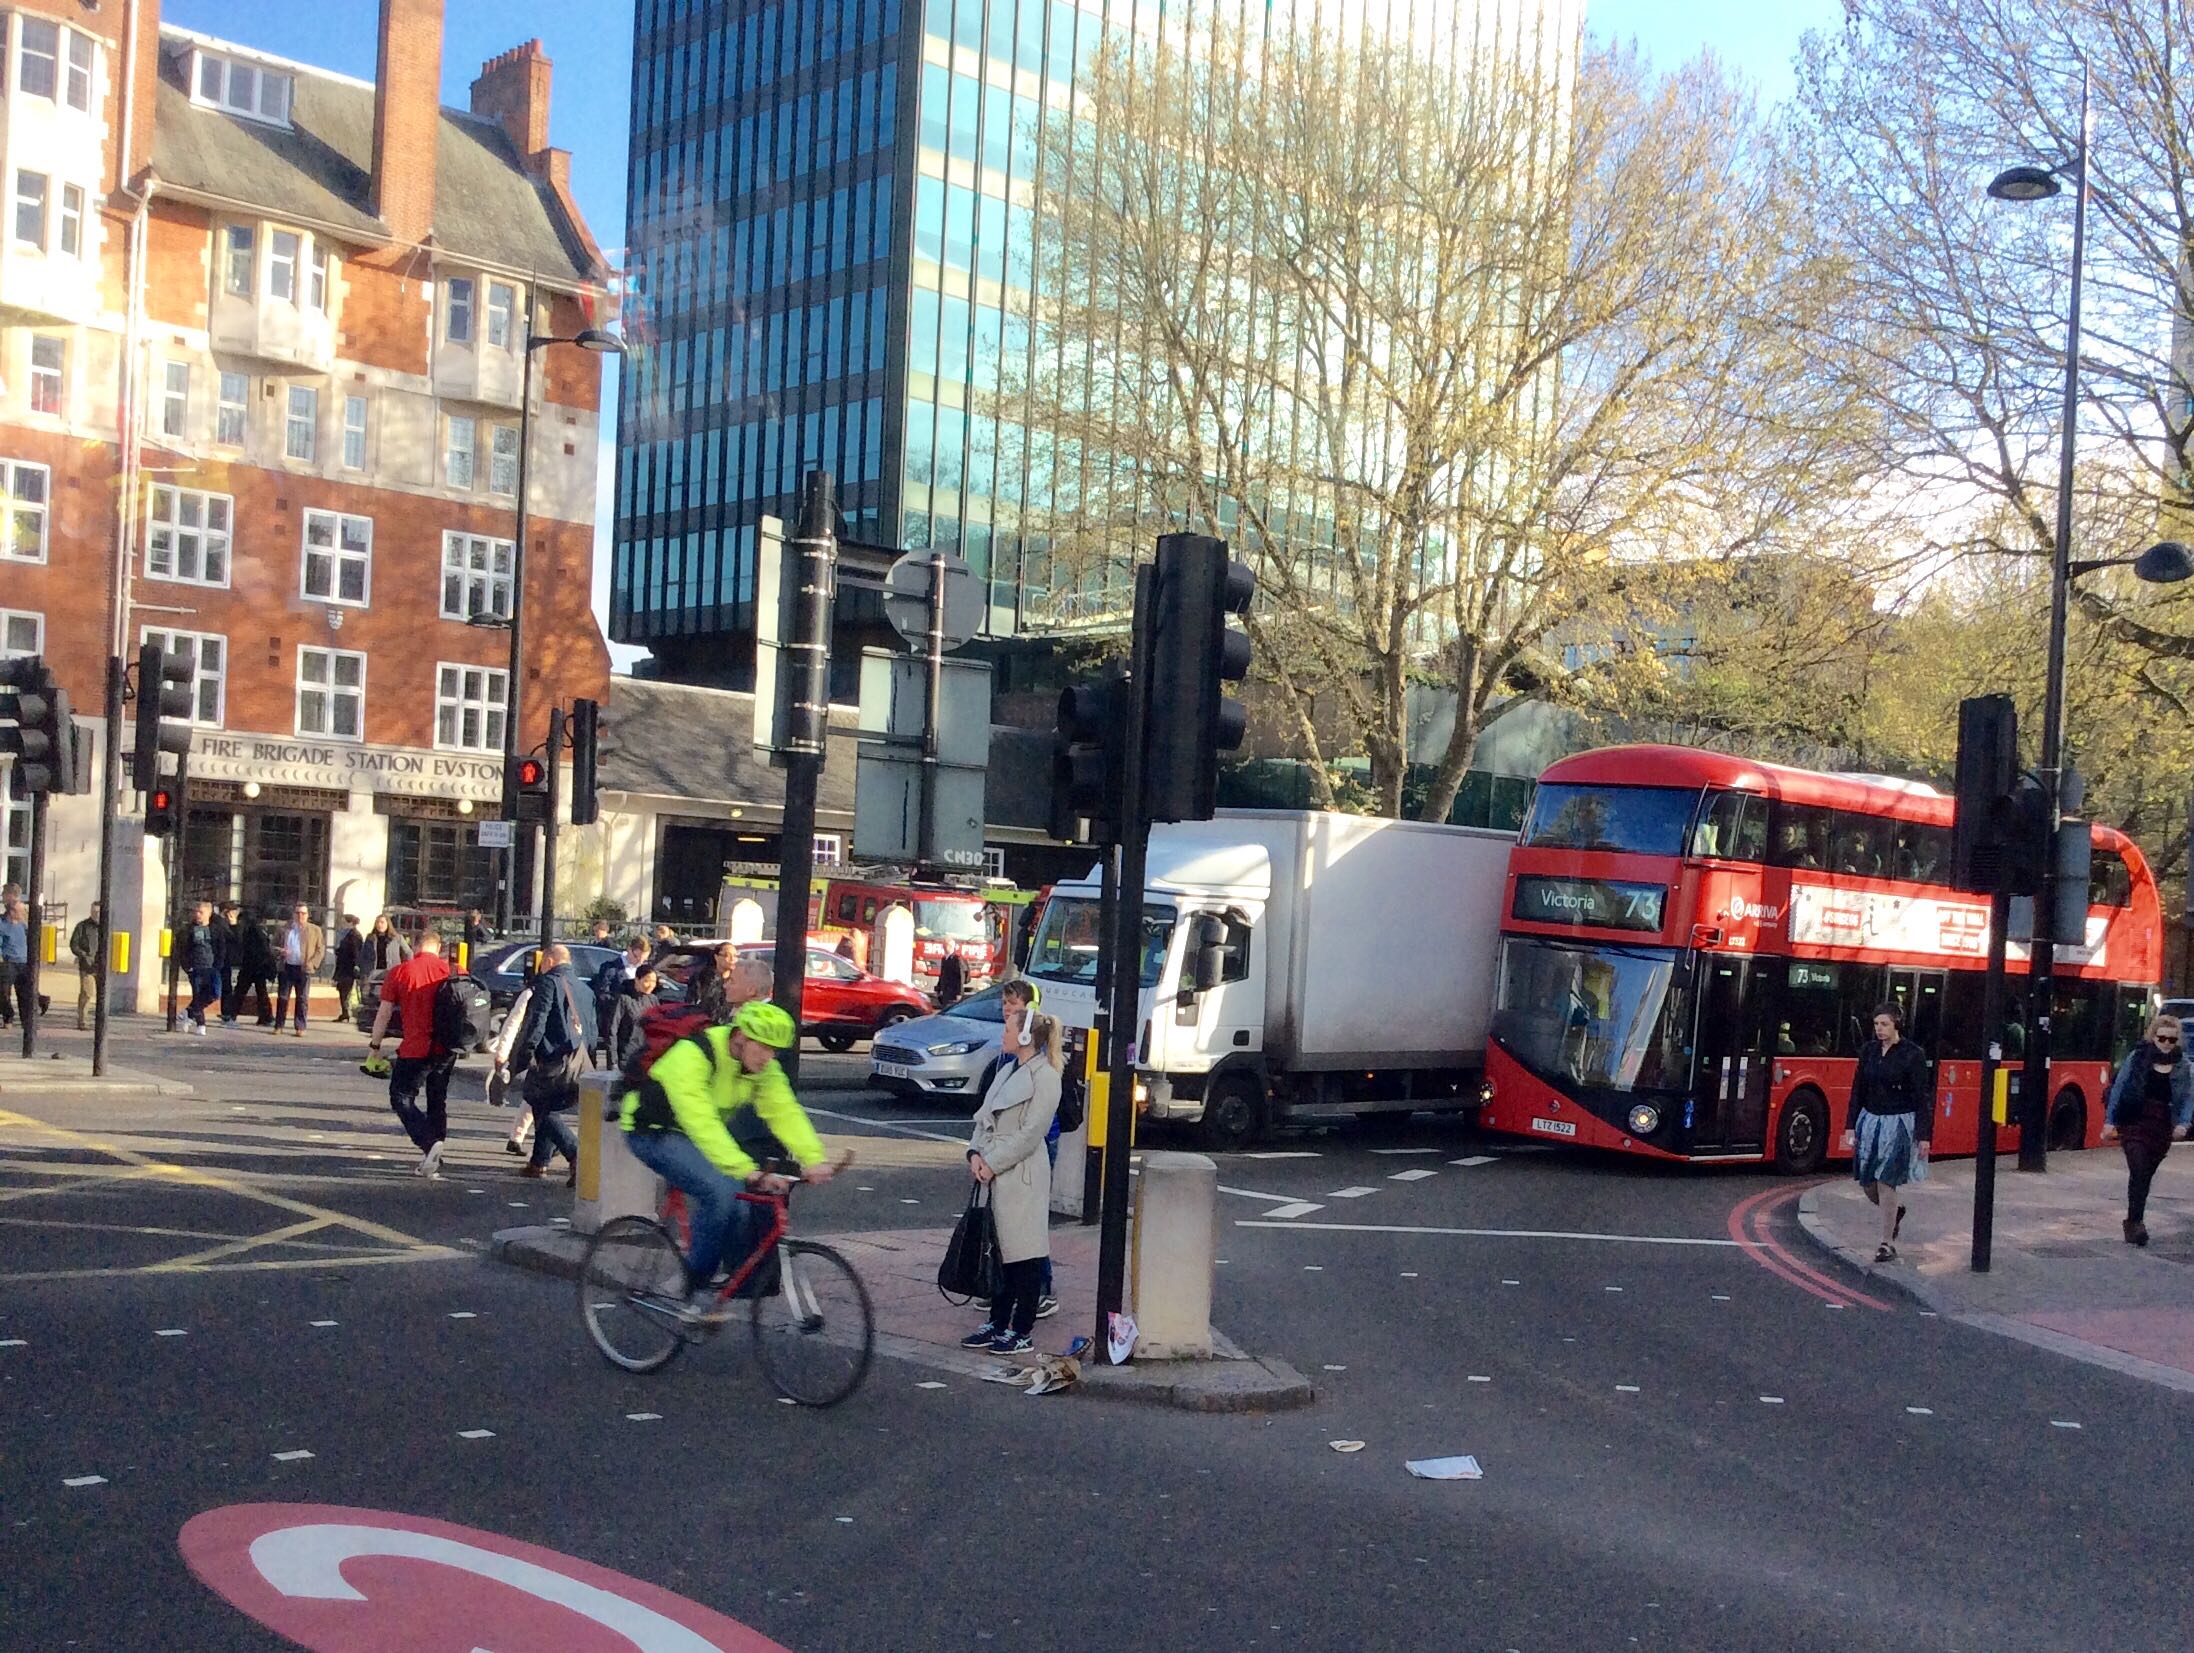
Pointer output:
x,y
161,815
165,701
1988,766
1188,721
1087,760
586,725
43,739
530,790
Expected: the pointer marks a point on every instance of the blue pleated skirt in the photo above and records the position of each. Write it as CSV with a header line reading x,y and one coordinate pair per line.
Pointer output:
x,y
1883,1150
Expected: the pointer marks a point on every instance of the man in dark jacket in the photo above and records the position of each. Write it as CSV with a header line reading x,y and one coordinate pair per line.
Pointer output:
x,y
228,942
552,1048
610,983
624,1039
201,962
350,951
254,960
85,942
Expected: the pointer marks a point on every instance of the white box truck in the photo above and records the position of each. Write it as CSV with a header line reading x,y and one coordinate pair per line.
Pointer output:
x,y
1297,965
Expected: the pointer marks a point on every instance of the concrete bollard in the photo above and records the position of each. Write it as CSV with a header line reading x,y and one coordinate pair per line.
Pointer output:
x,y
1176,1242
611,1182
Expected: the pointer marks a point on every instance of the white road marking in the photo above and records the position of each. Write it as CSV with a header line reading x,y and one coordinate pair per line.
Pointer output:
x,y
1837,1305
1336,1368
1294,1208
910,1202
1771,1400
2062,1423
1257,1194
559,1222
171,1331
1626,1388
462,1314
1721,1297
959,1141
516,1205
1405,1150
323,1322
644,1417
476,1434
1409,1274
1511,1282
1611,1288
83,1480
1480,1377
844,1520
1474,1159
1921,1411
14,1342
291,1457
1492,1234
863,1188
1314,1268
786,1400
1350,1193
1286,1153
1417,1175
931,1384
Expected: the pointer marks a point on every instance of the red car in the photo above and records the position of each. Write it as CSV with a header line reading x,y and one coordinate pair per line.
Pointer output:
x,y
842,1002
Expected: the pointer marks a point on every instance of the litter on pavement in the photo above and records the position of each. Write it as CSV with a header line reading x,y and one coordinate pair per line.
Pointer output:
x,y
1346,1446
1048,1376
1446,1469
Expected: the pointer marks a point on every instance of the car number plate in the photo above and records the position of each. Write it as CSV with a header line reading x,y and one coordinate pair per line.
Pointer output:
x,y
891,1070
1555,1127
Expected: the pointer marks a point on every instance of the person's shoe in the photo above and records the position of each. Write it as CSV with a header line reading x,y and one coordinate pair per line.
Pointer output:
x,y
1898,1227
1885,1253
513,1146
430,1163
2136,1233
200,1030
706,1307
571,1177
1010,1343
983,1336
1046,1307
298,1032
532,1172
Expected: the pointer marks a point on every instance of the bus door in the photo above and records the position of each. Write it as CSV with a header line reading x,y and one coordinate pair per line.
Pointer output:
x,y
1919,994
1729,1074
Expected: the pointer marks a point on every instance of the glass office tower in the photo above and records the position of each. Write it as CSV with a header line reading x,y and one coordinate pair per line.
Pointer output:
x,y
830,264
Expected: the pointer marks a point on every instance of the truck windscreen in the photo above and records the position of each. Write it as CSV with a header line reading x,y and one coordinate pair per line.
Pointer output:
x,y
1065,948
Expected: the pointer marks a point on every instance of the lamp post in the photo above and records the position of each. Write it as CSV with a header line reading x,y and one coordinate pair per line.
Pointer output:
x,y
601,343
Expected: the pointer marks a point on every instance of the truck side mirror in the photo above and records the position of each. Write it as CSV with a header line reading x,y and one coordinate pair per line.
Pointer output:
x,y
1208,967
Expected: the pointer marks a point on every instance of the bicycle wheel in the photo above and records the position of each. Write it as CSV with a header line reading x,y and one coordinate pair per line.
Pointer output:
x,y
815,1334
631,1286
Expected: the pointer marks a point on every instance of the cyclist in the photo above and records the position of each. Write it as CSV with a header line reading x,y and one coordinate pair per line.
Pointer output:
x,y
703,1113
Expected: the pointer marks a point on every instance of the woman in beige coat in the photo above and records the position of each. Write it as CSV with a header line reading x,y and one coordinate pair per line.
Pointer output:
x,y
1006,1153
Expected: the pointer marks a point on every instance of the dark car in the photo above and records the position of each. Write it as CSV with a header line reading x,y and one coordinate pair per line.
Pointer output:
x,y
480,1015
501,969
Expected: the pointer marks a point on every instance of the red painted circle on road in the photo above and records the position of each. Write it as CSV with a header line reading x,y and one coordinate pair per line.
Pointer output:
x,y
338,1580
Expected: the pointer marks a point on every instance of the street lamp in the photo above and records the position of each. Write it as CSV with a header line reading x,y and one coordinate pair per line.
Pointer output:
x,y
601,343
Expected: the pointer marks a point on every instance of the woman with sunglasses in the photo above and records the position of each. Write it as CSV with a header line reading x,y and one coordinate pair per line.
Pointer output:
x,y
2151,1102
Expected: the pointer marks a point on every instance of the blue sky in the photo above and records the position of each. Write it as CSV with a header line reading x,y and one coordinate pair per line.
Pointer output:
x,y
590,44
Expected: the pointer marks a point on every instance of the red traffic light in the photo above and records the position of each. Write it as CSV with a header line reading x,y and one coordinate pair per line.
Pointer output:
x,y
161,815
532,775
162,798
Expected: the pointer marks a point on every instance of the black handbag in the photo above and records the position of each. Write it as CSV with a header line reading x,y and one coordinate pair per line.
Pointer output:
x,y
970,1268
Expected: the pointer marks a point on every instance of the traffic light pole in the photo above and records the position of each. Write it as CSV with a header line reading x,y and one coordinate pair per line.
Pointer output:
x,y
1100,1028
807,725
548,830
1992,1027
1125,946
109,790
176,863
34,932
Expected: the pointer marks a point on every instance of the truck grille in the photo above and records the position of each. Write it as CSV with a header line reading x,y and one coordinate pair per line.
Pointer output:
x,y
896,1053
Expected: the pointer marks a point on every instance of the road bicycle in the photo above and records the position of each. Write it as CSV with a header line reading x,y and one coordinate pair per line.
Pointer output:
x,y
814,1332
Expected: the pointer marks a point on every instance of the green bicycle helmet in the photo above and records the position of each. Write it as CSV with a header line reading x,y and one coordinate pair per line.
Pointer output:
x,y
766,1024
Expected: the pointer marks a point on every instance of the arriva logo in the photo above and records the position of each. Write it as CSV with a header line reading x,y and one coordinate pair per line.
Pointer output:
x,y
1739,907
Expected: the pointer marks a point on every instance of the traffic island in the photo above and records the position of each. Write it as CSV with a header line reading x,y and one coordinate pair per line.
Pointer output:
x,y
914,1323
2061,1275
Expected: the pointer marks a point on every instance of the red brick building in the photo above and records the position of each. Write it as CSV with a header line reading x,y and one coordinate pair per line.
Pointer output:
x,y
263,333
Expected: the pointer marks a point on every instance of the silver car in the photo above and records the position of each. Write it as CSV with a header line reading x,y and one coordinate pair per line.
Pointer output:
x,y
941,1058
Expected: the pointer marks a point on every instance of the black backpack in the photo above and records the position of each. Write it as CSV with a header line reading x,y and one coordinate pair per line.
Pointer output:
x,y
452,1019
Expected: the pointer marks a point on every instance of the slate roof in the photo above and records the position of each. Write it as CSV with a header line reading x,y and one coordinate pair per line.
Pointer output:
x,y
487,208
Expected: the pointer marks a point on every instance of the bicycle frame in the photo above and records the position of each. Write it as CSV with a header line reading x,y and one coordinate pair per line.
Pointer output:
x,y
673,1217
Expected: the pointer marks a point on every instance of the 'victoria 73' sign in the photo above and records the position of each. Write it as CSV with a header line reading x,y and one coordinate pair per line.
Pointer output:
x,y
1600,902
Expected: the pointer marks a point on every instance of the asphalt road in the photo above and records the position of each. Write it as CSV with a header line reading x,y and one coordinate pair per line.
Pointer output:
x,y
1681,1448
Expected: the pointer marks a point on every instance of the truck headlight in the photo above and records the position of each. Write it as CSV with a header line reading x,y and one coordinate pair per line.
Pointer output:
x,y
1645,1119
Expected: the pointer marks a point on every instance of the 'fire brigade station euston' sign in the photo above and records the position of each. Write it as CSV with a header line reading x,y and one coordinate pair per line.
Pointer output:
x,y
343,766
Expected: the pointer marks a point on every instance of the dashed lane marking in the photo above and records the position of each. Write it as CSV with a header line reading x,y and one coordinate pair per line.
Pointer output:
x,y
462,1314
644,1417
295,1457
476,1434
1350,1193
1417,1175
83,1480
1489,1233
1771,1400
1921,1411
1286,1153
1474,1159
323,1322
1626,1388
171,1331
1294,1208
1405,1150
14,1343
2062,1423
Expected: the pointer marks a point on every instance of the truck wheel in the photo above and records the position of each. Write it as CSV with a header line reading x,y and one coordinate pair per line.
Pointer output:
x,y
1801,1137
2067,1122
1234,1112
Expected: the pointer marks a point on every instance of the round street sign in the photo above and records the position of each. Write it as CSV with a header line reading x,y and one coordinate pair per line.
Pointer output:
x,y
906,598
337,1580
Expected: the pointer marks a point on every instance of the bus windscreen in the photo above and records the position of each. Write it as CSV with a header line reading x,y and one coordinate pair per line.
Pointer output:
x,y
1635,820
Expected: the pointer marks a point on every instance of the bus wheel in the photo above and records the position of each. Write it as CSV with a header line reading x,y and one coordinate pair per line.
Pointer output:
x,y
1234,1112
1801,1137
2067,1122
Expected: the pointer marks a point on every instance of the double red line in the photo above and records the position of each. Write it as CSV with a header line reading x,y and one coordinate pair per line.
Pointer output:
x,y
1748,1226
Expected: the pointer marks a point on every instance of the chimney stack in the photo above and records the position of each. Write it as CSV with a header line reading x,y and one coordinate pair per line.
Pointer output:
x,y
407,117
513,88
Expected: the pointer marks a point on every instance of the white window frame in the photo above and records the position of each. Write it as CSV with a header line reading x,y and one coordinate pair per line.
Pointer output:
x,y
285,252
34,509
354,432
469,572
76,77
502,314
830,849
460,462
994,862
455,696
335,543
239,259
175,399
232,414
164,512
71,241
316,277
55,373
251,90
49,55
38,200
12,619
332,692
502,464
458,319
209,685
301,430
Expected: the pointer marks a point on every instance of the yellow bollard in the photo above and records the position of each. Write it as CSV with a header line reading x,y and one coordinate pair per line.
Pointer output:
x,y
464,955
167,942
118,962
2001,1108
49,943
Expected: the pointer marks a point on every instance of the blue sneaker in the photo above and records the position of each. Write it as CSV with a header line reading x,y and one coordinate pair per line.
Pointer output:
x,y
1007,1343
983,1337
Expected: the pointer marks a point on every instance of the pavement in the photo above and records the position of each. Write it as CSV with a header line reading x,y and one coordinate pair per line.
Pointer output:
x,y
914,1321
2061,1275
55,1071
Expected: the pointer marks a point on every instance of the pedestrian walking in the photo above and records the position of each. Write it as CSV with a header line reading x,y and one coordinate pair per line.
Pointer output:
x,y
14,963
408,993
1890,1121
624,1038
665,939
201,963
477,936
385,947
255,966
228,943
1006,1153
304,945
350,953
86,942
558,1033
2151,1105
508,1065
611,981
951,980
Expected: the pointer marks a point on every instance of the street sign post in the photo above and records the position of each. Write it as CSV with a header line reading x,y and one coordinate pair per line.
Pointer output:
x,y
495,834
906,756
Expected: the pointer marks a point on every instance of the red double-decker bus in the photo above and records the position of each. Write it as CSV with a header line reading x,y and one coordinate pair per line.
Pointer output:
x,y
1694,946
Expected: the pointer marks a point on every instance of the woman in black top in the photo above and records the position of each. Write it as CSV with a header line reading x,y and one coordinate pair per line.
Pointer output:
x,y
2151,1104
1891,1117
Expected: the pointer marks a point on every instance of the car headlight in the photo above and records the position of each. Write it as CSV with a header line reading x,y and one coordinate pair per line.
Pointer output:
x,y
1645,1119
957,1047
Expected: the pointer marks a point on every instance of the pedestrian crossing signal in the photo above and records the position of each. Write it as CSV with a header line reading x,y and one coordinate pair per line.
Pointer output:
x,y
529,790
161,817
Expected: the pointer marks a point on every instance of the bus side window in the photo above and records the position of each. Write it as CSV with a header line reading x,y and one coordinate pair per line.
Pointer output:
x,y
1960,1039
1732,827
1806,1019
1860,845
1862,989
2109,883
1801,837
1922,853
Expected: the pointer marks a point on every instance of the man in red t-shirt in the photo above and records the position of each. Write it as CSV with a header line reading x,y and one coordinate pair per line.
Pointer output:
x,y
409,990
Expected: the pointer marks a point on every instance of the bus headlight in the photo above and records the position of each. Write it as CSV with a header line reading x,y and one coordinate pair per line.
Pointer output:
x,y
1645,1119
